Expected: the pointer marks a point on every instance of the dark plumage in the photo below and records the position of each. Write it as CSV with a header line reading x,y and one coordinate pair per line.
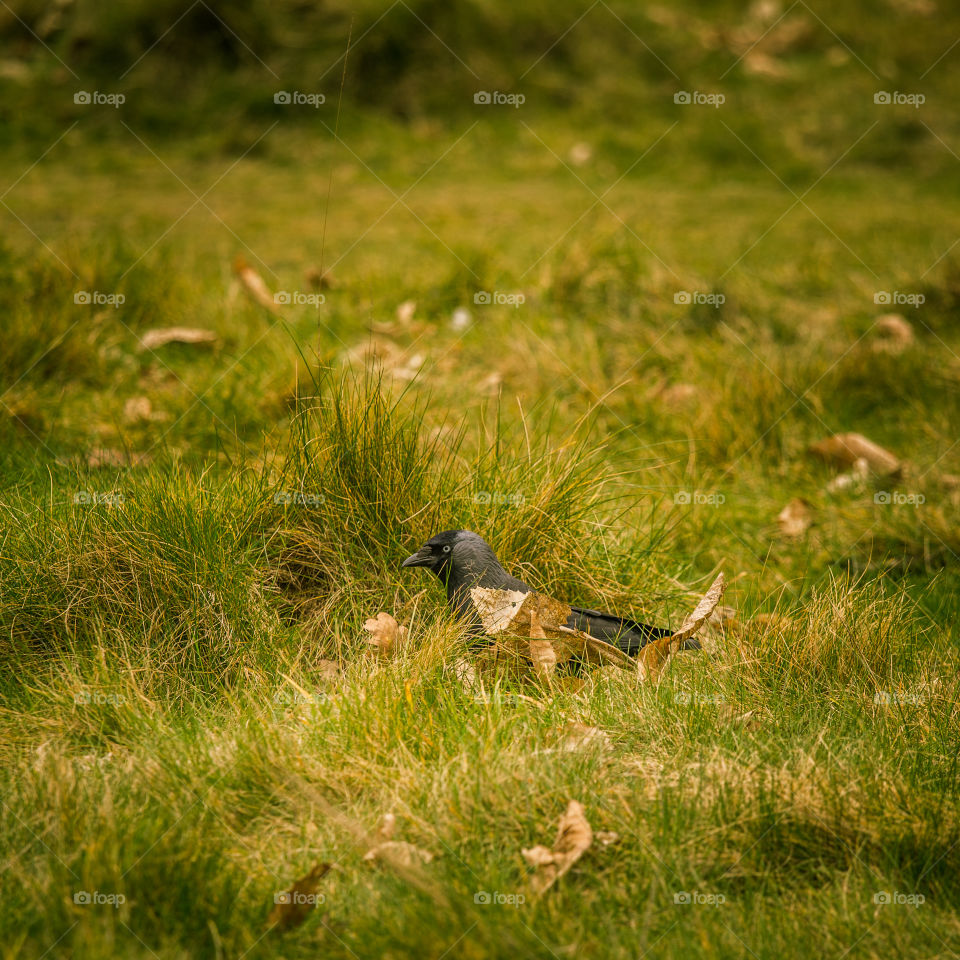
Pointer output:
x,y
462,559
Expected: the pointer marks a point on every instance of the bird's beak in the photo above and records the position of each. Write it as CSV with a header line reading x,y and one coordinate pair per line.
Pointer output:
x,y
422,558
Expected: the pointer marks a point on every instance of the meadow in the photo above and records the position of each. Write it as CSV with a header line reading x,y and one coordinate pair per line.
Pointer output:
x,y
602,327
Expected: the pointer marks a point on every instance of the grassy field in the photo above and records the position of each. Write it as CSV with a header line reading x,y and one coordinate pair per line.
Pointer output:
x,y
602,329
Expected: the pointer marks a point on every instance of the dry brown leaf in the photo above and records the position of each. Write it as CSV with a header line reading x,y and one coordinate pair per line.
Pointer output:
x,y
327,669
386,635
853,478
399,853
578,736
795,518
385,829
844,449
293,906
893,333
254,284
406,310
606,837
512,616
153,339
574,837
653,657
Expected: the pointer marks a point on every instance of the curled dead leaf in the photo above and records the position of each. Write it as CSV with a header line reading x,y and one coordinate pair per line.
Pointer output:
x,y
254,284
153,339
795,518
579,736
893,333
399,853
845,449
653,657
574,837
386,635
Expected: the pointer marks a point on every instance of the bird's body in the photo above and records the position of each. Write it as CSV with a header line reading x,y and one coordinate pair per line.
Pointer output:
x,y
463,560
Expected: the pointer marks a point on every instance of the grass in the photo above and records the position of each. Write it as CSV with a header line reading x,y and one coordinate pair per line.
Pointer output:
x,y
176,577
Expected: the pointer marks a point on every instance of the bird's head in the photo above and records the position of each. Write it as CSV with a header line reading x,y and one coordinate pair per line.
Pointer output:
x,y
460,550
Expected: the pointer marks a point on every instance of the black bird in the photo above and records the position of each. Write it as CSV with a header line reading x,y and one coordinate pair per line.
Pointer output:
x,y
462,559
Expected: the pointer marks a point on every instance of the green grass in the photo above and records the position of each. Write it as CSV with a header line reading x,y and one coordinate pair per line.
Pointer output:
x,y
171,731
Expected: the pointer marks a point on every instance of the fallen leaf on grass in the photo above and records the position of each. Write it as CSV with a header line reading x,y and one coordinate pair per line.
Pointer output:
x,y
606,837
327,669
892,333
406,310
853,478
386,635
574,837
521,621
577,736
153,339
254,284
845,449
293,906
654,655
795,518
399,853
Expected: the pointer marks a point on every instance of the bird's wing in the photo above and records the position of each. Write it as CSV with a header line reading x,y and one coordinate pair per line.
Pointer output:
x,y
629,635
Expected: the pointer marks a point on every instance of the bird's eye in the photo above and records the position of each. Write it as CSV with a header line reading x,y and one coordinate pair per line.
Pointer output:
x,y
446,548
